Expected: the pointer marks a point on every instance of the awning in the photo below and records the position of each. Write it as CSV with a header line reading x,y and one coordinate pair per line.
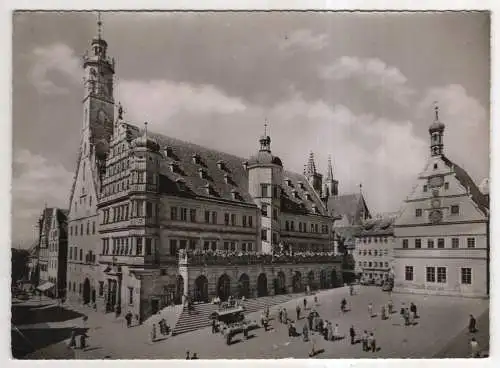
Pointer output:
x,y
46,286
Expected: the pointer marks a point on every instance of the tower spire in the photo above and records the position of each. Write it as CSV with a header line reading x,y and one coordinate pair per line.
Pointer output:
x,y
99,25
436,131
311,166
436,111
329,170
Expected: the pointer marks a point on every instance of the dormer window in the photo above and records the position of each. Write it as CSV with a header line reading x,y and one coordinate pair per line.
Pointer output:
x,y
174,167
295,194
315,210
288,182
202,173
208,189
169,152
221,165
301,185
196,159
181,184
235,194
435,166
308,196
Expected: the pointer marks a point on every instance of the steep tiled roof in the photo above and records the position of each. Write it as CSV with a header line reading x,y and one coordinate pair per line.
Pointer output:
x,y
223,172
348,205
466,181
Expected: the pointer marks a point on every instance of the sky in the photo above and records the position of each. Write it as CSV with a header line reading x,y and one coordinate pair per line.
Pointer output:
x,y
357,86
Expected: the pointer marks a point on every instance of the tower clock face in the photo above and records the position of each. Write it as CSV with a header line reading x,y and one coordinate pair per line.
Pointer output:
x,y
435,216
436,181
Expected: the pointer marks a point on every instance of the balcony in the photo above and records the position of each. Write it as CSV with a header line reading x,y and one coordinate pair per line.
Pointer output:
x,y
241,258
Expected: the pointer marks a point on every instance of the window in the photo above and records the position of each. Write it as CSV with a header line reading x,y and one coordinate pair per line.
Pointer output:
x,y
369,264
292,226
471,242
441,275
264,210
455,209
139,246
184,214
233,220
149,247
244,221
446,186
440,243
418,212
249,247
192,215
455,242
466,274
173,247
409,273
182,244
173,213
192,244
263,234
375,253
233,246
275,191
300,226
425,188
243,247
130,295
418,243
405,243
264,191
214,245
226,219
214,217
101,288
81,254
93,227
207,217
275,238
206,245
430,274
430,243
275,214
435,166
71,230
250,221
81,229
386,264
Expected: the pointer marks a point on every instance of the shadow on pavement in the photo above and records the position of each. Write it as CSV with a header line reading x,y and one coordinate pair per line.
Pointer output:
x,y
26,342
24,314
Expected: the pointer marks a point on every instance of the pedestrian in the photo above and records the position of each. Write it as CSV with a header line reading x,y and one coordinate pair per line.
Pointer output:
x,y
305,333
280,313
390,306
214,326
382,313
330,331
364,340
372,344
153,333
352,333
370,309
128,318
316,299
83,341
351,290
343,304
413,309
187,355
263,321
406,316
474,348
472,324
313,347
267,312
297,309
194,357
336,332
310,318
245,331
72,340
285,315
305,303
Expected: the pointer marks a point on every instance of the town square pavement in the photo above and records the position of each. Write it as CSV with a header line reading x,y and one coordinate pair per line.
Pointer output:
x,y
442,320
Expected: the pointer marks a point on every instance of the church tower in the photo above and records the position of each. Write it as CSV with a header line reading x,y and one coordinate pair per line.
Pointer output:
x,y
315,178
331,186
436,131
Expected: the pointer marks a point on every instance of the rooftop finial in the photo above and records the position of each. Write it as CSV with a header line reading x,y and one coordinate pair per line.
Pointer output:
x,y
266,123
120,111
436,110
99,25
145,128
360,188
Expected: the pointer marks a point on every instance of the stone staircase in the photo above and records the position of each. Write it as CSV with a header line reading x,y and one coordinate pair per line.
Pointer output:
x,y
200,318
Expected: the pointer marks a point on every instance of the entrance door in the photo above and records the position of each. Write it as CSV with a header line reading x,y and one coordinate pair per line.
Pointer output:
x,y
262,285
244,286
297,282
155,305
179,290
86,291
201,289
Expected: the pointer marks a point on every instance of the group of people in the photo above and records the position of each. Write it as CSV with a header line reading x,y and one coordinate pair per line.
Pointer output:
x,y
193,357
83,340
164,329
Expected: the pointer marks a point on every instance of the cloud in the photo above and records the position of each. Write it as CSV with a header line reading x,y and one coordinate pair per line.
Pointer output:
x,y
36,182
467,126
159,100
304,38
58,58
373,74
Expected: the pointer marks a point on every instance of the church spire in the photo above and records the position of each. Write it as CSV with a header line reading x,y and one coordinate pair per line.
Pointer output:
x,y
265,140
311,166
329,170
436,131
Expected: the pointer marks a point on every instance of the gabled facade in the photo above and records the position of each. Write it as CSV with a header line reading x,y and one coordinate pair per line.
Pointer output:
x,y
58,251
442,240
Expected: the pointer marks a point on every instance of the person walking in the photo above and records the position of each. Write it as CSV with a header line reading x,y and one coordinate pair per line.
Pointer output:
x,y
474,348
413,310
285,315
472,324
390,306
370,310
406,316
305,303
128,318
351,289
194,357
382,313
297,310
364,340
280,314
329,331
310,320
153,333
343,304
187,355
214,326
83,341
352,333
305,333
72,340
336,332
372,344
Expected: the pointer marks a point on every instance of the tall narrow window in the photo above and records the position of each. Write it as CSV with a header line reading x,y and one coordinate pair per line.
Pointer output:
x,y
455,242
409,273
466,276
192,215
440,243
441,275
471,242
430,273
264,190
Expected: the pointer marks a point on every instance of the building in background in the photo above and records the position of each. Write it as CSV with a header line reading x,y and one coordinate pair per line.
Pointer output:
x,y
373,254
442,235
58,251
